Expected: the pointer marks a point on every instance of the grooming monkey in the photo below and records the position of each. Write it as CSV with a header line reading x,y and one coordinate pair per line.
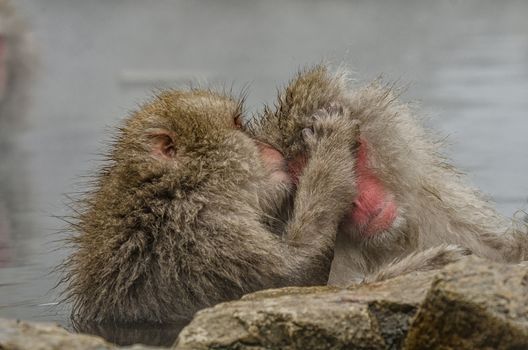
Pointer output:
x,y
178,219
413,210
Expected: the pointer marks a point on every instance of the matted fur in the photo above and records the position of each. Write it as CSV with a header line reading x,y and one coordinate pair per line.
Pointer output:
x,y
436,204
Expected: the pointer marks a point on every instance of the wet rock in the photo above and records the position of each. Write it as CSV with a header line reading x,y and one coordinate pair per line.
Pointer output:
x,y
473,304
18,335
287,322
374,316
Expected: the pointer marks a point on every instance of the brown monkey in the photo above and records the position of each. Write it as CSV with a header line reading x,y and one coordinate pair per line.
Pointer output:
x,y
413,209
178,218
17,61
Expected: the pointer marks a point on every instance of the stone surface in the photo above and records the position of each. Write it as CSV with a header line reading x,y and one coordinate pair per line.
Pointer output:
x,y
325,321
469,305
474,305
19,335
374,316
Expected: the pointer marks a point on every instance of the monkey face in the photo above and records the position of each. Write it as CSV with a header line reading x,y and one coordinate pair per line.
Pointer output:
x,y
188,136
375,212
374,209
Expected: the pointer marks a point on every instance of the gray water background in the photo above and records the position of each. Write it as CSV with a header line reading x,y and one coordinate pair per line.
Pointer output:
x,y
465,63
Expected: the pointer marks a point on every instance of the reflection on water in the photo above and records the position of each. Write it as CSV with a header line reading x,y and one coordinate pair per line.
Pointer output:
x,y
157,335
5,235
465,61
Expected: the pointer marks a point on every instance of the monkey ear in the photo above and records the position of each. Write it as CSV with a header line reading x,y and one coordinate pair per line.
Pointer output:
x,y
162,143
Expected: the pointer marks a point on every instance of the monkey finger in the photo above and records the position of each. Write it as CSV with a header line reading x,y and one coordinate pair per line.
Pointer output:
x,y
308,136
323,127
337,108
319,114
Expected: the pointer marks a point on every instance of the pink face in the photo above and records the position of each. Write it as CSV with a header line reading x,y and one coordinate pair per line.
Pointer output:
x,y
274,161
374,210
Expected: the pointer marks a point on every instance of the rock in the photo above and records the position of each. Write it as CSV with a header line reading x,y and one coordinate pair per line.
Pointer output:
x,y
273,293
18,335
288,322
474,305
374,316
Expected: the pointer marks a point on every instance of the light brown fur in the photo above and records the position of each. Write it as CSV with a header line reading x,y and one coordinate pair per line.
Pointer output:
x,y
179,218
440,216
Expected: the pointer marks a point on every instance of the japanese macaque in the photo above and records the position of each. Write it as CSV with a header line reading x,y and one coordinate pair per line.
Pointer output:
x,y
413,209
17,61
179,218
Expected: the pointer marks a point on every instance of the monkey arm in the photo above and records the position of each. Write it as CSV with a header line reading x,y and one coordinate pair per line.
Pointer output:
x,y
323,195
325,191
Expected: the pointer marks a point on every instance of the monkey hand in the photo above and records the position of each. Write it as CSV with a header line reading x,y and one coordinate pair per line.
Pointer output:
x,y
331,126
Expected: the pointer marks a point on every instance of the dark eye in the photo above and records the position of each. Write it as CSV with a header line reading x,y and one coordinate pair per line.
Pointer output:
x,y
238,121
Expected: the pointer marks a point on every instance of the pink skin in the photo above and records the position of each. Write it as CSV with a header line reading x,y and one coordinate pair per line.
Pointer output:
x,y
374,209
275,162
296,166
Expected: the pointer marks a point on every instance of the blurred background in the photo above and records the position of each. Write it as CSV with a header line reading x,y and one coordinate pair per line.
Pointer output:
x,y
463,62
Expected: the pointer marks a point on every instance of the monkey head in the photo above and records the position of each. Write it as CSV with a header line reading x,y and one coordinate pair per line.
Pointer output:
x,y
180,168
376,213
191,139
408,196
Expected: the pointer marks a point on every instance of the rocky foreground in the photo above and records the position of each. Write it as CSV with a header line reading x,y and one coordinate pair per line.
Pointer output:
x,y
473,304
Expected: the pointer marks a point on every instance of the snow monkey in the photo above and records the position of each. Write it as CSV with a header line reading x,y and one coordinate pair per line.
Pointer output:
x,y
413,209
178,218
